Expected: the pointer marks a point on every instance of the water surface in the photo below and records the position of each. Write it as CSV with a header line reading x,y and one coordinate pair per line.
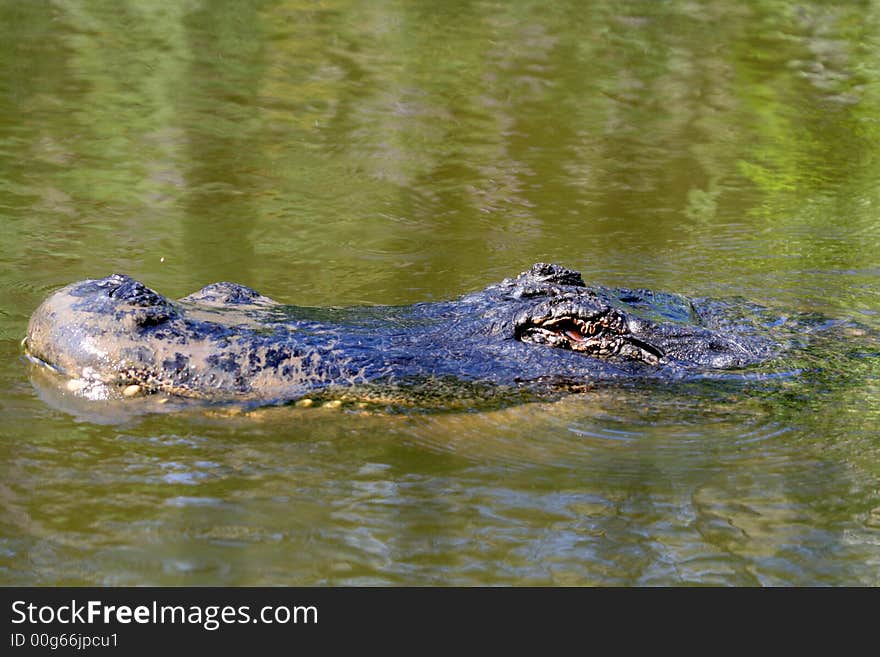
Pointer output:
x,y
341,153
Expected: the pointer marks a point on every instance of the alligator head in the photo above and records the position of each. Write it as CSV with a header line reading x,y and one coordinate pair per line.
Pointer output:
x,y
229,342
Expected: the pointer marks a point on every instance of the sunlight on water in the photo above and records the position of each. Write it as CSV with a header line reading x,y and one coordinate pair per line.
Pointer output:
x,y
338,153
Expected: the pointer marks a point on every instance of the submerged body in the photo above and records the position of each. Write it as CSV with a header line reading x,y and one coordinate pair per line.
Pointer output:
x,y
542,329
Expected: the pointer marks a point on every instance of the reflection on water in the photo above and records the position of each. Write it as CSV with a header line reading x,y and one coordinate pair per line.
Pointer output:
x,y
341,153
622,488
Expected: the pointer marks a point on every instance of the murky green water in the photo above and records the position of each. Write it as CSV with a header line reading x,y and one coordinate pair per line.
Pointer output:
x,y
336,153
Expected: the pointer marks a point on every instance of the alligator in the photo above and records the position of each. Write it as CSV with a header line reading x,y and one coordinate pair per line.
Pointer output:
x,y
544,329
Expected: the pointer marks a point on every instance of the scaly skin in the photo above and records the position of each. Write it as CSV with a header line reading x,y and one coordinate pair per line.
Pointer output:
x,y
544,328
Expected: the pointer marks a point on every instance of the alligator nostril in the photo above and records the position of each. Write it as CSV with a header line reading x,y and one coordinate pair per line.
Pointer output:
x,y
136,293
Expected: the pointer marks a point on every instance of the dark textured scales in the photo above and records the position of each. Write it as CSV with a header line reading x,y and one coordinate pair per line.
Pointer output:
x,y
544,328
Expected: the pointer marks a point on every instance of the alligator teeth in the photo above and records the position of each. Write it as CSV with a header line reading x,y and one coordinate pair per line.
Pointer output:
x,y
131,391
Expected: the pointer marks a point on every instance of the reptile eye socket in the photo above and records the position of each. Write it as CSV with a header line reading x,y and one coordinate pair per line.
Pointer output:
x,y
603,336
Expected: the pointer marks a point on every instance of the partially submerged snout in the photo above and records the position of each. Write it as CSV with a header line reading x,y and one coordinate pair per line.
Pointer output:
x,y
88,330
113,335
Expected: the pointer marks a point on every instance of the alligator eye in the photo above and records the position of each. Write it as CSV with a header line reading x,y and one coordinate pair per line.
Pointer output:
x,y
568,333
602,337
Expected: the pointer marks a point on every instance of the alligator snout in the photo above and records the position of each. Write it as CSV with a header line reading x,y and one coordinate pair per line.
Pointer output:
x,y
82,329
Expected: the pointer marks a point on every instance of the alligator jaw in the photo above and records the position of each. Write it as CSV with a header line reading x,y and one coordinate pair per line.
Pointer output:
x,y
605,335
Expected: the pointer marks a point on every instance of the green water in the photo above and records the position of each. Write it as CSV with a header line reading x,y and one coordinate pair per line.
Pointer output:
x,y
338,153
